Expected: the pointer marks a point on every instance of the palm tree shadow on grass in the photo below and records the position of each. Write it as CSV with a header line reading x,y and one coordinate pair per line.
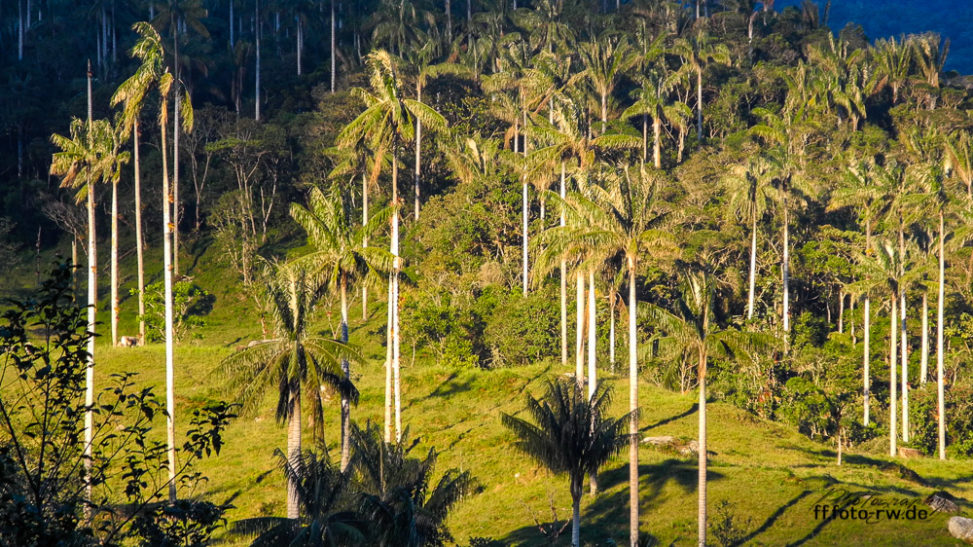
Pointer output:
x,y
689,412
607,515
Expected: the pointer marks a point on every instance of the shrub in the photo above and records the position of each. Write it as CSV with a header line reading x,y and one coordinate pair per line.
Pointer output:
x,y
189,304
522,329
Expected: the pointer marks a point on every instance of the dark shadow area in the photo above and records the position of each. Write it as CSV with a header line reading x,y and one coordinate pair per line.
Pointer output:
x,y
664,421
773,517
198,249
607,515
449,386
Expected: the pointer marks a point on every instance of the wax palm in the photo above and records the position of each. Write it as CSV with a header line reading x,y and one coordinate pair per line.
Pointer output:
x,y
152,74
788,133
750,195
651,99
325,499
400,501
884,269
385,124
861,190
605,60
697,54
132,94
174,15
622,220
83,161
894,59
570,434
339,254
690,326
398,23
297,359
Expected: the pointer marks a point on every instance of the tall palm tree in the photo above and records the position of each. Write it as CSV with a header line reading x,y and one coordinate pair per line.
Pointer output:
x,y
862,191
787,133
894,59
691,326
132,93
697,54
113,173
385,125
295,360
605,61
340,255
153,74
174,16
751,194
886,269
81,163
571,434
623,219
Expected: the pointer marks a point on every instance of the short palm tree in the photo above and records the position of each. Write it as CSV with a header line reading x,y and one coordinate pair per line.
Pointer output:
x,y
341,256
326,502
294,360
571,434
400,502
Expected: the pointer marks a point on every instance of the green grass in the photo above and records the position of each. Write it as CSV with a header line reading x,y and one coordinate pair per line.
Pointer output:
x,y
771,475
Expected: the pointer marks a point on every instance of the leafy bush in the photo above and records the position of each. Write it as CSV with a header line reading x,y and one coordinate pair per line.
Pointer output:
x,y
453,332
519,329
923,417
44,478
189,304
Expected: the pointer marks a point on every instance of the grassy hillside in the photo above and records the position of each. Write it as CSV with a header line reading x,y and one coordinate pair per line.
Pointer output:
x,y
771,476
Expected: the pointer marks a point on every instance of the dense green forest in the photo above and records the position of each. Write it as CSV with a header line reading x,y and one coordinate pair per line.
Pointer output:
x,y
313,212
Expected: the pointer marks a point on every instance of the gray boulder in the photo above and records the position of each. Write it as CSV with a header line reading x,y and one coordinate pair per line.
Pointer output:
x,y
961,528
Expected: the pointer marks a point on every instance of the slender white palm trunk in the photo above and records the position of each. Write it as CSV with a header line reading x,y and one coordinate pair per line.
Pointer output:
x,y
564,287
138,233
396,266
167,297
89,383
633,404
924,356
785,272
579,339
701,487
592,324
866,359
753,268
364,221
114,264
89,392
940,399
905,371
657,145
893,346
388,366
